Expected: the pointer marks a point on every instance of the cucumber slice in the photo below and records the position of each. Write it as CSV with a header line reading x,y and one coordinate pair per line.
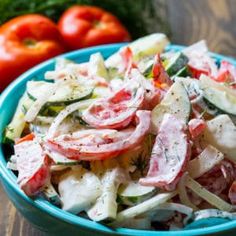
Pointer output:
x,y
78,189
51,111
191,85
175,102
65,94
133,193
174,66
34,89
145,66
221,133
100,92
105,208
176,63
96,66
218,95
51,194
16,126
148,45
59,159
141,48
144,207
204,162
184,72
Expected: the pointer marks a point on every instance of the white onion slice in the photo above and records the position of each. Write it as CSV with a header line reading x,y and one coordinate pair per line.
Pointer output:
x,y
64,113
38,104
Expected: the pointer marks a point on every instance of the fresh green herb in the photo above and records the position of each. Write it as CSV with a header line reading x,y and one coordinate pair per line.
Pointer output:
x,y
138,16
141,162
24,109
164,149
31,97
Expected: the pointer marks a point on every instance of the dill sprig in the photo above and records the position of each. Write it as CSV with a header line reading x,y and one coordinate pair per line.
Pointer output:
x,y
141,162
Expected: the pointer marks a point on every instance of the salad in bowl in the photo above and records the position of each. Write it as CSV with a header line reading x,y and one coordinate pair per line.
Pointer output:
x,y
143,139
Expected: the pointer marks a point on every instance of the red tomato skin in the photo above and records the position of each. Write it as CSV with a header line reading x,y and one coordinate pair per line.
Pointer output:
x,y
38,180
232,193
33,166
197,72
127,59
226,73
28,137
106,150
160,76
196,127
168,162
84,26
98,115
24,42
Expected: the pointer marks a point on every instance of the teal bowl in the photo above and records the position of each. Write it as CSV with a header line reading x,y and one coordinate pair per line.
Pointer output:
x,y
53,220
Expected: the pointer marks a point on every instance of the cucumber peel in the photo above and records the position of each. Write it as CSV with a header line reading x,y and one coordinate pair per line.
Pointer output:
x,y
65,94
220,96
133,193
175,102
176,63
16,126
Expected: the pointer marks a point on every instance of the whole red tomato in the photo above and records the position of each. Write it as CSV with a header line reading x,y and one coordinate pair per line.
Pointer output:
x,y
24,42
84,26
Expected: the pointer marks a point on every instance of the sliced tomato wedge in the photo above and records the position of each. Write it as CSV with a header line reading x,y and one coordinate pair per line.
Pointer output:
x,y
232,193
170,154
196,71
160,77
152,94
101,144
28,137
196,127
127,59
226,73
201,63
117,111
33,166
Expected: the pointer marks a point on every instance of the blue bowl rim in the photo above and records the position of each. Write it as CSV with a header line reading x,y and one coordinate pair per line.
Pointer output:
x,y
59,214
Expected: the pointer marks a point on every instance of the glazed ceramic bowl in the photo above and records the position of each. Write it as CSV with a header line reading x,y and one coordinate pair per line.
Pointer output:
x,y
53,220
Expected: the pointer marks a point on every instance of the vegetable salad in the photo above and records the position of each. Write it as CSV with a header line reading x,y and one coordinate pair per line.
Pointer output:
x,y
144,139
